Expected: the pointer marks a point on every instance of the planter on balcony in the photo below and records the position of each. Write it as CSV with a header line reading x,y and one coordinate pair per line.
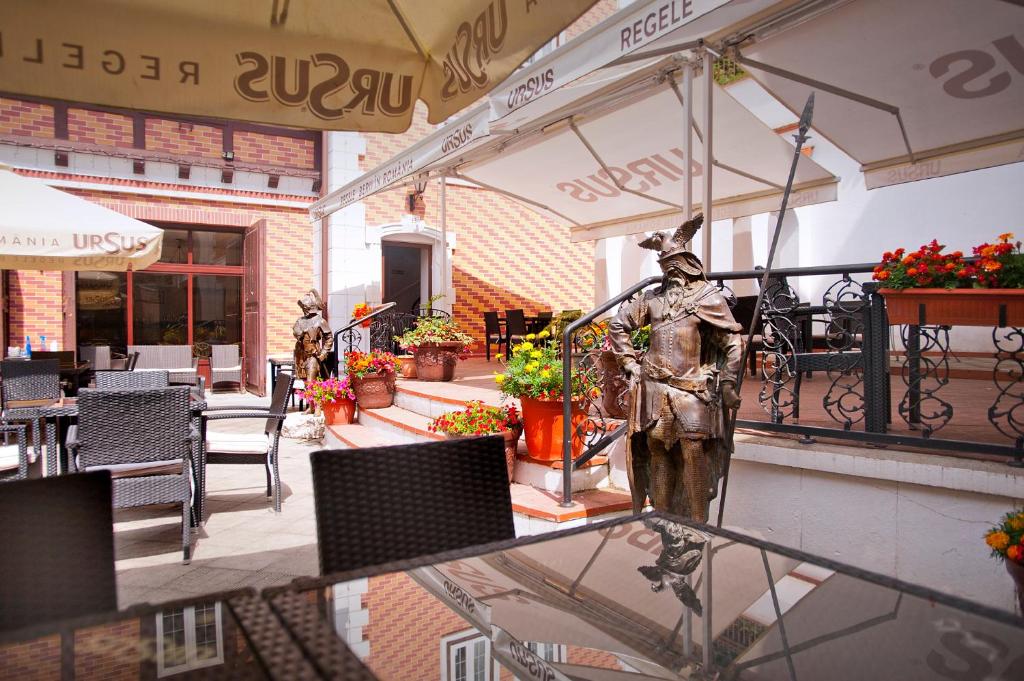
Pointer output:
x,y
436,361
374,391
960,307
542,424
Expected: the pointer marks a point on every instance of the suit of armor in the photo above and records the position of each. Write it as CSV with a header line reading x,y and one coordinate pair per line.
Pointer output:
x,y
675,450
313,339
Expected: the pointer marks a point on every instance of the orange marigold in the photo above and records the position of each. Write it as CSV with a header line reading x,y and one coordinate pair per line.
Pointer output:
x,y
998,540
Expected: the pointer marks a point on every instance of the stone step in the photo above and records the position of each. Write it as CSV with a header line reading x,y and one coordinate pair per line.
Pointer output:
x,y
400,424
358,436
434,399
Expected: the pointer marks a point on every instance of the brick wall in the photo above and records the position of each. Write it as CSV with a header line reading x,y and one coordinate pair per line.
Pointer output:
x,y
183,138
25,118
35,307
109,652
99,127
279,151
34,660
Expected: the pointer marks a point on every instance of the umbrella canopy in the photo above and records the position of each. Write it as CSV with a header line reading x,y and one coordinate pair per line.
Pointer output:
x,y
42,228
317,64
912,89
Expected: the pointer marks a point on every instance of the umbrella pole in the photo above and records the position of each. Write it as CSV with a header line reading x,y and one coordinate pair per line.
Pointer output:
x,y
444,242
709,93
688,141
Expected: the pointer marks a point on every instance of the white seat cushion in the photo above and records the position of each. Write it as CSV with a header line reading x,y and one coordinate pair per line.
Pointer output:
x,y
237,443
9,457
234,368
172,371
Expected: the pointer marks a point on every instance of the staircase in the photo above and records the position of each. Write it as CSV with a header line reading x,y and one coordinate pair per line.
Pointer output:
x,y
599,488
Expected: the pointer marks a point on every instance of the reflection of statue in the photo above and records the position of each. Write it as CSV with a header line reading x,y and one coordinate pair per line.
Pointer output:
x,y
681,551
313,339
675,451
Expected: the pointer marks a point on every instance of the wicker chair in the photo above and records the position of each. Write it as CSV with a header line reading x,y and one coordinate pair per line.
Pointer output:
x,y
146,439
58,557
515,329
225,365
14,459
447,495
176,359
131,380
493,333
29,381
251,448
98,356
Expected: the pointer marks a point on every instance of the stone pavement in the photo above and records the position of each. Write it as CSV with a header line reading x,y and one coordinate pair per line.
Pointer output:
x,y
243,543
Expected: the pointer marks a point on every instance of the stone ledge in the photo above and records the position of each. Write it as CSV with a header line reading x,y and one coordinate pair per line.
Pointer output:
x,y
930,470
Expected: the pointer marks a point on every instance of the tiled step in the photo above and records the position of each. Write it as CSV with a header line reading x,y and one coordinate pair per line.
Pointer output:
x,y
434,399
400,424
358,436
537,511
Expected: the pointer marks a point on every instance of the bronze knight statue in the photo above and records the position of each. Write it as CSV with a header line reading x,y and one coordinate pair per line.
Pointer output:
x,y
313,339
675,451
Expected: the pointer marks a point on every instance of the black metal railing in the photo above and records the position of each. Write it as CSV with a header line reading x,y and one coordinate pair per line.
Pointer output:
x,y
853,353
382,325
351,335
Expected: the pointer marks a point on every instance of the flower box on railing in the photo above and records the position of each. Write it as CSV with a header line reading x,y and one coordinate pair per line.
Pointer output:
x,y
955,307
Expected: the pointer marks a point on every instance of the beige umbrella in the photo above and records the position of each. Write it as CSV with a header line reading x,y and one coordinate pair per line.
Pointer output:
x,y
323,64
42,228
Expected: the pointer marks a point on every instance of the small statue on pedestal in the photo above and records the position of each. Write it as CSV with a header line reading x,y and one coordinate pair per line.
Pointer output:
x,y
313,339
675,451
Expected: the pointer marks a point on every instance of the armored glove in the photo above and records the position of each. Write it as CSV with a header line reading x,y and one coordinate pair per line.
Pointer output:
x,y
730,398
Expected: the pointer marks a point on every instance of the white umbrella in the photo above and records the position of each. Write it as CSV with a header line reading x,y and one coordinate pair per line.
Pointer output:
x,y
42,228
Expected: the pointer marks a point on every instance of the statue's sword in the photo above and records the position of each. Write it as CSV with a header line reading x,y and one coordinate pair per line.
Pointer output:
x,y
730,416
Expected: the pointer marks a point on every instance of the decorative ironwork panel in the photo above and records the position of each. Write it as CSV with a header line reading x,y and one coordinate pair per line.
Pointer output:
x,y
1006,413
846,306
779,335
925,373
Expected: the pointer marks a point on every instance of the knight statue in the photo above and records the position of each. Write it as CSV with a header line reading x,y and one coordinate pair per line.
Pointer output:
x,y
676,446
313,339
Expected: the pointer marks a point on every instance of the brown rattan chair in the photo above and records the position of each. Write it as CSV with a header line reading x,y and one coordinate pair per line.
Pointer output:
x,y
225,365
381,504
493,332
58,549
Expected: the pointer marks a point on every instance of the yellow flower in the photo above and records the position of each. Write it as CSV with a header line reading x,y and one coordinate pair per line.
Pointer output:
x,y
998,540
526,345
529,368
1017,522
1006,236
543,334
499,378
536,354
545,373
530,336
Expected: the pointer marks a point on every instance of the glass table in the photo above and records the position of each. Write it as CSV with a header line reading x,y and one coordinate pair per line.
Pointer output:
x,y
639,598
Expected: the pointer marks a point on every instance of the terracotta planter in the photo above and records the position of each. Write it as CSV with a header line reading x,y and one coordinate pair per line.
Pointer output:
x,y
406,366
374,391
341,412
1016,571
511,445
542,423
614,387
436,361
959,307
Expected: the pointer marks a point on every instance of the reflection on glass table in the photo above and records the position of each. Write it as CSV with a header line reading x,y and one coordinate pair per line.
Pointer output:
x,y
638,598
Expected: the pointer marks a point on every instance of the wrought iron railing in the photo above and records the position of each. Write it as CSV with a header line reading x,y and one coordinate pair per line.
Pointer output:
x,y
854,355
381,327
351,335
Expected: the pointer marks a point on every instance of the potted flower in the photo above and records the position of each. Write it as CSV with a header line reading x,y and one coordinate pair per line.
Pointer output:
x,y
534,375
334,398
481,419
436,344
372,376
362,310
1007,543
952,289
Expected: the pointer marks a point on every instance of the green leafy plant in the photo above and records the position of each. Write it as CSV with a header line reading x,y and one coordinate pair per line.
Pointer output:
x,y
328,390
535,370
476,419
433,330
361,364
1007,538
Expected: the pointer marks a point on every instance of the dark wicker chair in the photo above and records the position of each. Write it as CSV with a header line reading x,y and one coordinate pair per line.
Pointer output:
x,y
250,448
14,458
493,332
58,549
437,496
29,381
225,365
515,329
146,439
131,380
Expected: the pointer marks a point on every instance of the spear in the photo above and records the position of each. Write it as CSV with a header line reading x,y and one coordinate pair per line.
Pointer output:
x,y
730,424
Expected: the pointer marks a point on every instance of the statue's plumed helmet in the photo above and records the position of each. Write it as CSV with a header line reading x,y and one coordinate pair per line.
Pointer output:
x,y
311,301
672,248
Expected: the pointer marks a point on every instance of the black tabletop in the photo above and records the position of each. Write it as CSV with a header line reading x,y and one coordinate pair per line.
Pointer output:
x,y
637,599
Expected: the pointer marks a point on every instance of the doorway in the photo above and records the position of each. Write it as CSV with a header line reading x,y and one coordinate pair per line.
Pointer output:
x,y
406,280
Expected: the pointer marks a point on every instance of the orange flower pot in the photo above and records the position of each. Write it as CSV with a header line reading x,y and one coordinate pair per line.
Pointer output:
x,y
542,425
341,412
959,306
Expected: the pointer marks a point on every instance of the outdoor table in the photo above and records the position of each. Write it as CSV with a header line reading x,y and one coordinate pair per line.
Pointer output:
x,y
276,366
536,323
231,635
637,594
73,375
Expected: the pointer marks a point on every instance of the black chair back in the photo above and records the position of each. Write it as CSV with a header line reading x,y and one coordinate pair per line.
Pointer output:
x,y
132,426
516,321
133,359
130,380
30,379
438,496
279,401
57,561
743,311
65,358
492,327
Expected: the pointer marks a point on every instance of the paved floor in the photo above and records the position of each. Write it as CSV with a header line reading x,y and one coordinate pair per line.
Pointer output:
x,y
243,543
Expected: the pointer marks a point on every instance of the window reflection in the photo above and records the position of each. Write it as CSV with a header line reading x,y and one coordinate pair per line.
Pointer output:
x,y
101,309
161,308
217,311
216,248
175,246
189,638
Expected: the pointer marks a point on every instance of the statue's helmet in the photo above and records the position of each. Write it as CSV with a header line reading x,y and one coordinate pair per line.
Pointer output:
x,y
311,302
672,252
682,259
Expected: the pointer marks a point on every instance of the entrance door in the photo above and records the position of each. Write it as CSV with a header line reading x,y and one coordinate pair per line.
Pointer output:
x,y
406,279
255,331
